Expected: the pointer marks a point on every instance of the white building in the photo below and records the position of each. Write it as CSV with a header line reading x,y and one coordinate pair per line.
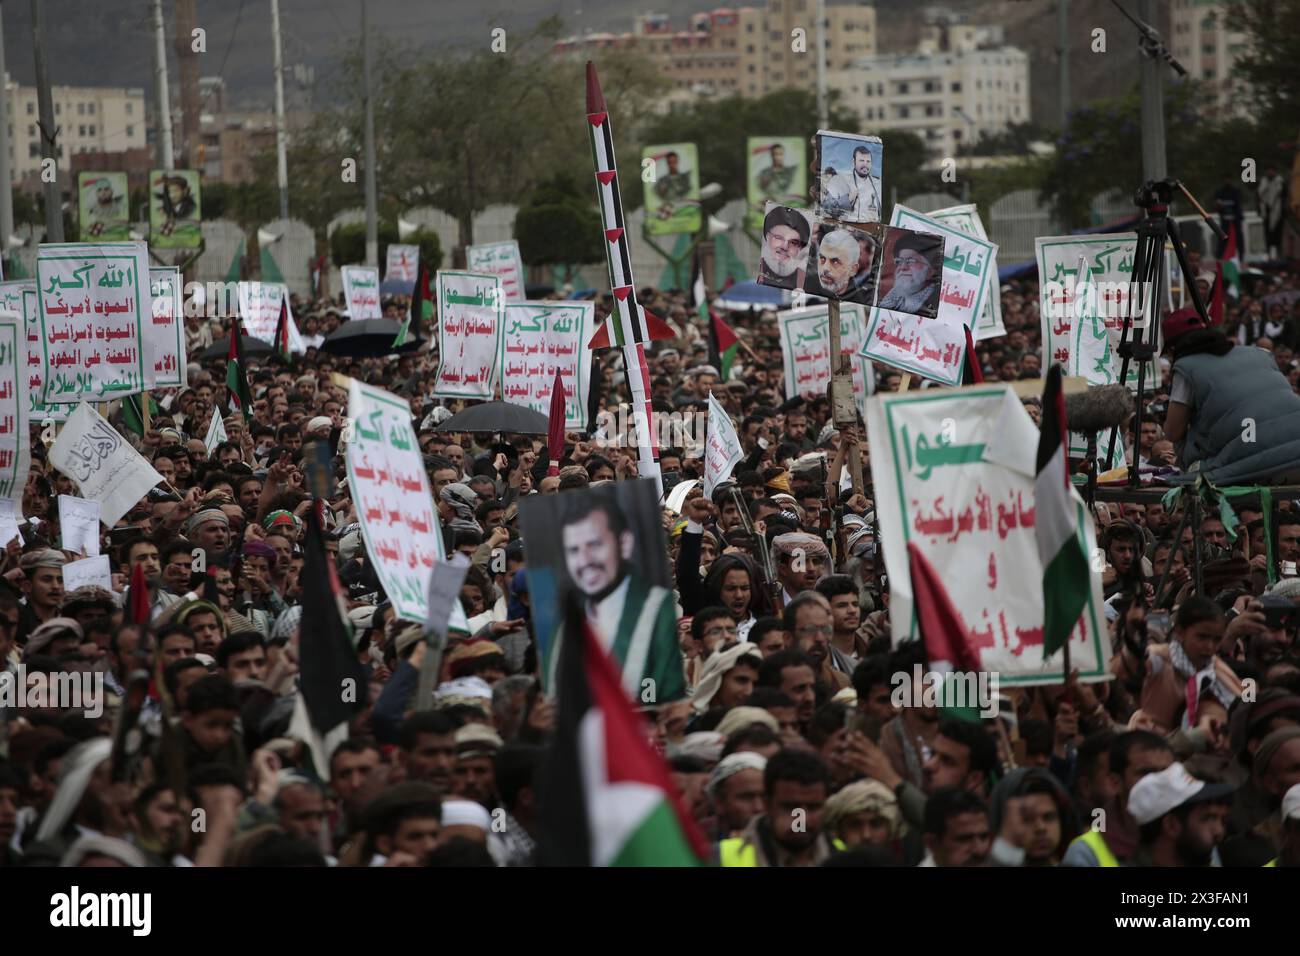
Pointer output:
x,y
949,97
1207,48
91,119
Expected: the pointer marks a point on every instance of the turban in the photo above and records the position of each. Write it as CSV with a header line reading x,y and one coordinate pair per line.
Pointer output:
x,y
43,558
732,764
206,515
864,796
740,718
811,545
259,549
705,744
465,813
461,498
1271,744
785,216
55,627
715,669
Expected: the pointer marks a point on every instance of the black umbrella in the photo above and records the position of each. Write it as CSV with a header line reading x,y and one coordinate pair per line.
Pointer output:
x,y
496,417
367,338
253,348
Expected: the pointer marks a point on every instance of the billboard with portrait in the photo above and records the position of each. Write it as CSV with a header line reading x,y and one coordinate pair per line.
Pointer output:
x,y
776,170
174,212
671,175
104,206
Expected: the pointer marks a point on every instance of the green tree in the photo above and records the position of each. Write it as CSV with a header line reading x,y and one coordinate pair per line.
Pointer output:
x,y
1269,60
559,225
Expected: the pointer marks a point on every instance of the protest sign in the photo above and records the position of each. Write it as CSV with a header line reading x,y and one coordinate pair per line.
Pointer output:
x,y
470,313
103,206
403,263
165,334
79,524
361,292
502,260
848,176
964,280
15,448
967,219
106,469
925,347
722,449
955,473
37,409
174,214
88,572
538,338
9,512
672,193
94,305
806,348
777,172
216,433
390,489
259,308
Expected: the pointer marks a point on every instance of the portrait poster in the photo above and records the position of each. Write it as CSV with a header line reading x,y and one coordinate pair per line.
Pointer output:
x,y
671,175
174,211
849,169
776,171
104,207
602,548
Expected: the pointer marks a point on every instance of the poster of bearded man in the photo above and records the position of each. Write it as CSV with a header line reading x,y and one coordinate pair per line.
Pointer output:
x,y
783,260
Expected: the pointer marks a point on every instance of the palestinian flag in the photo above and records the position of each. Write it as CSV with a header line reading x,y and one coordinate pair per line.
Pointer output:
x,y
422,302
606,796
1065,562
237,372
723,346
131,412
281,343
971,373
1231,262
948,646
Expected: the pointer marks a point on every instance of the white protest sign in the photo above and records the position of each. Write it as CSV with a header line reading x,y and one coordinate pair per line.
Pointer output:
x,y
806,349
361,292
955,473
259,308
470,314
502,260
15,439
34,378
106,469
88,572
925,347
79,523
216,433
538,338
9,523
722,448
967,219
94,305
403,263
164,339
390,489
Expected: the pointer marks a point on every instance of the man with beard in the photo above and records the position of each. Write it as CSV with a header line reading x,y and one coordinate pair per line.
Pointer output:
x,y
1181,820
866,188
160,825
785,248
916,277
776,179
634,619
839,258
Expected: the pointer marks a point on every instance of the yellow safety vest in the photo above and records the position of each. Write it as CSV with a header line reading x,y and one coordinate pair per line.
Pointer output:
x,y
1094,841
736,852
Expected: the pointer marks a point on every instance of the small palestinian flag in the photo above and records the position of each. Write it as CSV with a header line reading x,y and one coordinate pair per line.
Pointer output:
x,y
282,330
723,345
131,409
1231,260
241,400
607,798
1066,573
422,302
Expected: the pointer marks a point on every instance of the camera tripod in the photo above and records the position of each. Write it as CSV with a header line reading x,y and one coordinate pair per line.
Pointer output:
x,y
1146,291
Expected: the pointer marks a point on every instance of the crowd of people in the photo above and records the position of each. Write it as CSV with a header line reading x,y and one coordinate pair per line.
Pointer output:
x,y
788,749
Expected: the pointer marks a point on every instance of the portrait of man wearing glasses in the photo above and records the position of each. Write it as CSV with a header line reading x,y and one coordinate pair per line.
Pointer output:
x,y
915,266
784,257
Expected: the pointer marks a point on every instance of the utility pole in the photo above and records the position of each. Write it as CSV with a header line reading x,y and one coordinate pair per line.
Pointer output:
x,y
1063,50
6,175
1153,105
187,60
166,153
372,224
45,103
281,162
823,110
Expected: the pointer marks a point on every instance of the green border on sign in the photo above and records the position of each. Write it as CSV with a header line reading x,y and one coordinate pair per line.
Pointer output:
x,y
442,351
586,310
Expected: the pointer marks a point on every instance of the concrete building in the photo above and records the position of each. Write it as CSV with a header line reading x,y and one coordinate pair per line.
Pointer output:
x,y
1204,44
960,84
91,119
747,51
